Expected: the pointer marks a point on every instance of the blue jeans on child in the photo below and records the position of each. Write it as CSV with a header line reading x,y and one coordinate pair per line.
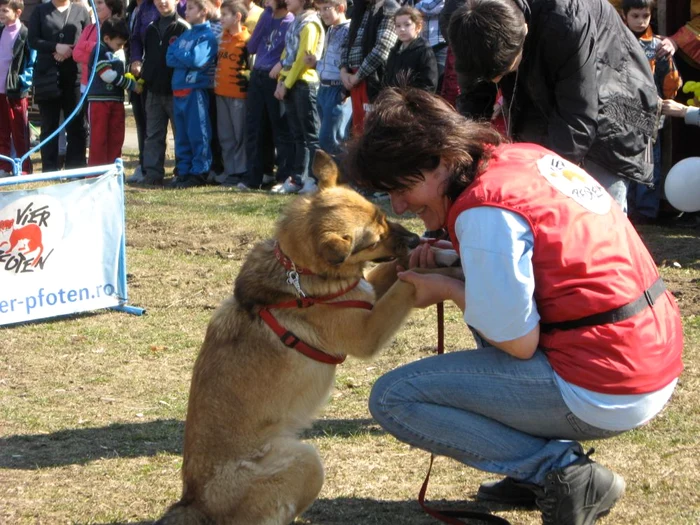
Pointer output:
x,y
302,116
335,112
484,408
647,199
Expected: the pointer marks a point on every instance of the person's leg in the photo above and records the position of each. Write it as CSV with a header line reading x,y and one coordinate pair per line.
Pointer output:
x,y
100,132
217,162
256,115
138,105
294,119
154,144
281,135
227,136
76,129
50,115
307,113
117,119
238,121
19,122
615,185
5,132
183,148
482,407
647,199
199,132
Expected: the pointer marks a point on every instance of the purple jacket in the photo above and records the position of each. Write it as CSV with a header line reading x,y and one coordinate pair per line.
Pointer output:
x,y
146,14
267,41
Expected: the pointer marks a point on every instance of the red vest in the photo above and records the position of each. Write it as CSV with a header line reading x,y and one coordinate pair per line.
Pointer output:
x,y
587,259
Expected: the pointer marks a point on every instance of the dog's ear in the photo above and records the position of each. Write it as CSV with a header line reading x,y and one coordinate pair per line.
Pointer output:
x,y
335,249
325,169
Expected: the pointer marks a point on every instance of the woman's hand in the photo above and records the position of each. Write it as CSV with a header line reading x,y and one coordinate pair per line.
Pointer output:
x,y
433,288
135,68
64,50
422,257
668,47
672,108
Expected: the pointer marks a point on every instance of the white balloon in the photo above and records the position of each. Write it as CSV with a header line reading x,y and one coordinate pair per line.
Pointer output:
x,y
682,185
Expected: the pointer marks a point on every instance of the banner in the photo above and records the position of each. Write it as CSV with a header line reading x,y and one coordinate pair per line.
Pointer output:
x,y
61,249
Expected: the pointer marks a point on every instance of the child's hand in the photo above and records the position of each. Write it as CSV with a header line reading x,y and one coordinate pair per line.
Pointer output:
x,y
138,88
275,71
136,68
672,108
310,59
281,91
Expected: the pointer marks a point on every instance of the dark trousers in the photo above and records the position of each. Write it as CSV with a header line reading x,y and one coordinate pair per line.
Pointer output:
x,y
304,123
138,106
217,161
76,130
265,111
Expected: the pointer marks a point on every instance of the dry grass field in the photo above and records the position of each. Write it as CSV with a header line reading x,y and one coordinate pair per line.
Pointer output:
x,y
92,407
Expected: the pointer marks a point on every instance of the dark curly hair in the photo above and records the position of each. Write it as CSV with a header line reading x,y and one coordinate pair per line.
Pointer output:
x,y
410,131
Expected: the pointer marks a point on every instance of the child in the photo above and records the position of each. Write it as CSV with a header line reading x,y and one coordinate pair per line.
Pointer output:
x,y
645,200
192,56
159,99
334,107
231,90
16,68
106,95
411,61
298,88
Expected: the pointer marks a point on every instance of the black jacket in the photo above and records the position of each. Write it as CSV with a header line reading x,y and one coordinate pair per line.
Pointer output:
x,y
369,37
416,63
19,77
584,88
154,71
48,27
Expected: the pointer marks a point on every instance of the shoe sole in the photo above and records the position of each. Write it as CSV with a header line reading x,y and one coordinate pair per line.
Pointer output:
x,y
617,489
529,503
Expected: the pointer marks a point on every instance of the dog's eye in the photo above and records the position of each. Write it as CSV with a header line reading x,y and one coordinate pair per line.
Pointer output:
x,y
373,246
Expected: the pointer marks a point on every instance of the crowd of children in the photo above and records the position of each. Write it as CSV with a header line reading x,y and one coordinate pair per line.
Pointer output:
x,y
250,92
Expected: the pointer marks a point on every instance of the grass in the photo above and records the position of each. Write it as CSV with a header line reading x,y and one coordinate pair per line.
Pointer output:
x,y
92,407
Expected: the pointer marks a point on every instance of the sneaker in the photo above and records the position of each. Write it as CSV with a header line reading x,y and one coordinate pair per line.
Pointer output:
x,y
309,187
190,181
288,186
137,177
243,187
580,493
508,492
4,174
231,181
268,179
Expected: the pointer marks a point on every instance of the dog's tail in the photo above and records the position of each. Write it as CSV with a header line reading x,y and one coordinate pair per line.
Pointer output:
x,y
184,514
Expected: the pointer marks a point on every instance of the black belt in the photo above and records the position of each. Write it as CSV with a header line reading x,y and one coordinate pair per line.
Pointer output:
x,y
331,82
615,315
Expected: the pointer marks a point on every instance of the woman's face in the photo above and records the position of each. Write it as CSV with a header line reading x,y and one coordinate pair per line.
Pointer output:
x,y
103,12
425,198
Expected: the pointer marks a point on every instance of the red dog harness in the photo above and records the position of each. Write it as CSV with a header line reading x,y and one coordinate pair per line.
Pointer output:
x,y
287,337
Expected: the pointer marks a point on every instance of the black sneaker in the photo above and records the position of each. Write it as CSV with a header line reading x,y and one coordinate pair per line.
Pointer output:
x,y
508,492
580,493
190,181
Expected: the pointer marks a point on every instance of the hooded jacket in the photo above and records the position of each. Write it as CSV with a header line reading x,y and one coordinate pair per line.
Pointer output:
x,y
19,77
583,89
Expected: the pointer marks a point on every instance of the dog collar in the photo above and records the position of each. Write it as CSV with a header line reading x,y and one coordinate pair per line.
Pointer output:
x,y
288,263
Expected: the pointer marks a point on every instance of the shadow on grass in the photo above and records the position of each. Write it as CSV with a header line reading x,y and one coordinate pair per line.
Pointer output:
x,y
128,440
356,511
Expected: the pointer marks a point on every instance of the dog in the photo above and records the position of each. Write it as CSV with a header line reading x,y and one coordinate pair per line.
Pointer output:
x,y
301,303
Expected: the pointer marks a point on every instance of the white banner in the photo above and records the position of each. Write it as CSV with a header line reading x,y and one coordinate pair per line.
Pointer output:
x,y
60,249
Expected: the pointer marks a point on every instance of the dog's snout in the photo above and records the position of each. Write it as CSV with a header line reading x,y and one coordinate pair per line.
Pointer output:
x,y
413,240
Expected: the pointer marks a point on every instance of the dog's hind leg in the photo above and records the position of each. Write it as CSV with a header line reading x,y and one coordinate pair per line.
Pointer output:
x,y
283,484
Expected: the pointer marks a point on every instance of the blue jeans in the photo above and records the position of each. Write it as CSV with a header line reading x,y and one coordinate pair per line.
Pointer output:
x,y
646,200
484,408
615,185
302,115
335,113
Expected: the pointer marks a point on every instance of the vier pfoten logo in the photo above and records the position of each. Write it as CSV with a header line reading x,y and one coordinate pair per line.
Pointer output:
x,y
31,228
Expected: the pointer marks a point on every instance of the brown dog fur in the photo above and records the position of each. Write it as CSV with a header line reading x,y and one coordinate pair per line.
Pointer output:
x,y
251,396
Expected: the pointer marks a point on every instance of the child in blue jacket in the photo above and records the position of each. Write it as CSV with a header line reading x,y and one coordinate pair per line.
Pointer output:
x,y
192,56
